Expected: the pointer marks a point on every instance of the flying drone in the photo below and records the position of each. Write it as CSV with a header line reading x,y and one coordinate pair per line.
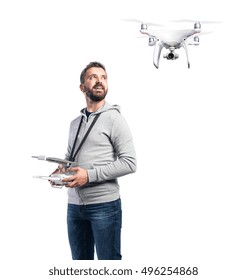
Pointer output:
x,y
171,39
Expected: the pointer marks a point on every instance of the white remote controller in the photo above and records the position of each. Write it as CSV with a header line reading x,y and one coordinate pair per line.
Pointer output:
x,y
55,178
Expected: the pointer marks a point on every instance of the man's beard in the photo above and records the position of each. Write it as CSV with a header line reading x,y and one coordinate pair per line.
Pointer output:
x,y
94,94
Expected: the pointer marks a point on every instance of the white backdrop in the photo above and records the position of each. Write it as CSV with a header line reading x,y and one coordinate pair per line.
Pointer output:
x,y
186,205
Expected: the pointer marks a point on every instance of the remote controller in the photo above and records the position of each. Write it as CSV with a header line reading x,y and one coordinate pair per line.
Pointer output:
x,y
55,178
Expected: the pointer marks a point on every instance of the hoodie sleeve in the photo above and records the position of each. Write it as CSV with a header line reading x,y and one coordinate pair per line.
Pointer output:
x,y
123,145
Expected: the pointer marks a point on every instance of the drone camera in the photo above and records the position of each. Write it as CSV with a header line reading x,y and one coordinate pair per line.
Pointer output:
x,y
171,56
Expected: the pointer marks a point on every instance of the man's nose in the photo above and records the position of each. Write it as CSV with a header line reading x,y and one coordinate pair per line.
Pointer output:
x,y
99,80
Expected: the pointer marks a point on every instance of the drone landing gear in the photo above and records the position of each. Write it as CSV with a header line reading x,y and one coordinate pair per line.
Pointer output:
x,y
157,50
186,51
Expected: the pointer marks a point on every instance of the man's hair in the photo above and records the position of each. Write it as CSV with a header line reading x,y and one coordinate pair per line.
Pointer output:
x,y
90,65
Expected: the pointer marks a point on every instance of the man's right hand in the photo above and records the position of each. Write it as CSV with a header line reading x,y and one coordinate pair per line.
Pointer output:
x,y
60,169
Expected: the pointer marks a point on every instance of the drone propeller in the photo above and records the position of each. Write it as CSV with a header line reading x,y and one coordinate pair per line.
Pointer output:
x,y
142,21
140,37
204,33
201,21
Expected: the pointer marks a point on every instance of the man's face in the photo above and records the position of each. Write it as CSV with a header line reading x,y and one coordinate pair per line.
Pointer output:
x,y
95,84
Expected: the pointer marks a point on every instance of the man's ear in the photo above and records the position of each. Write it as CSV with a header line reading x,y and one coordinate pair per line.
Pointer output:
x,y
81,87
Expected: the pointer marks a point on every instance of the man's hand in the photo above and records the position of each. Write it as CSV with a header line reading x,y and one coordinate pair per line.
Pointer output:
x,y
60,169
80,177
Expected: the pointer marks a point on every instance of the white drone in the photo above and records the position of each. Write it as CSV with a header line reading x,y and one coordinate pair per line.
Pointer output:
x,y
171,39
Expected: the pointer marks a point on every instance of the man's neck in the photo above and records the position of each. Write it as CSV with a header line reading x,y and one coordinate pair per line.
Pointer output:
x,y
94,106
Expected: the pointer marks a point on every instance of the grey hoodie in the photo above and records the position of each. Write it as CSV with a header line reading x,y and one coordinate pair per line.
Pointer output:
x,y
107,154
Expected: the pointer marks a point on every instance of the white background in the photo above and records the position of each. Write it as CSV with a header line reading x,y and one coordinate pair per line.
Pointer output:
x,y
186,205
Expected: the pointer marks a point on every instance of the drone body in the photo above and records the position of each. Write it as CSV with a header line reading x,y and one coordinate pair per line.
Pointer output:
x,y
171,40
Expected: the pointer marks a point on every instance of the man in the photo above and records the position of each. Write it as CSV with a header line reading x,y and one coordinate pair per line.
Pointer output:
x,y
94,214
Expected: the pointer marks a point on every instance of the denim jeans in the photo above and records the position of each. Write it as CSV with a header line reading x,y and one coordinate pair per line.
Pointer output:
x,y
95,225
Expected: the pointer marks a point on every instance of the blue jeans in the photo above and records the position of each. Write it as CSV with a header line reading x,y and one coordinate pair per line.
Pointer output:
x,y
96,225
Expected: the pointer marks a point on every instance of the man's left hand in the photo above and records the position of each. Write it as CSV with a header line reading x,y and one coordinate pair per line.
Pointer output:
x,y
80,177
